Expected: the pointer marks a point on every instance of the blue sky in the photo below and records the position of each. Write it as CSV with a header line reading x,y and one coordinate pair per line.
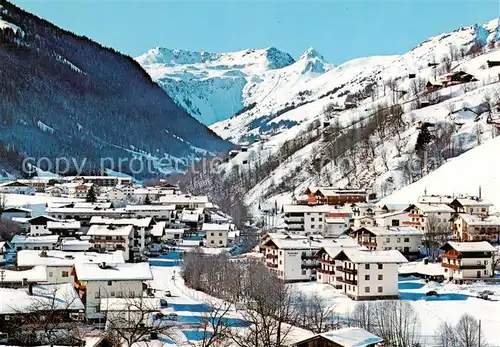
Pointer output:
x,y
340,30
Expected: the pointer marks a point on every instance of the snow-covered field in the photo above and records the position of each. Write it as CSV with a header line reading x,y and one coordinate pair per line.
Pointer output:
x,y
453,302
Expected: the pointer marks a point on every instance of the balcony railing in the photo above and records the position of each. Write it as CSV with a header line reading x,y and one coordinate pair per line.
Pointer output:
x,y
346,270
294,219
271,256
325,261
272,265
452,255
367,243
326,272
310,266
305,256
348,281
464,267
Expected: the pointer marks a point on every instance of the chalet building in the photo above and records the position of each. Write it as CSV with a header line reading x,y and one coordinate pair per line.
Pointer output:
x,y
472,227
363,221
193,219
345,337
158,212
59,264
467,261
456,77
418,215
21,276
217,235
101,181
38,225
185,201
15,212
113,238
38,301
64,228
44,242
326,272
471,205
16,187
40,184
332,196
106,280
295,259
435,199
407,240
84,214
329,221
363,209
55,191
392,219
432,87
142,228
369,275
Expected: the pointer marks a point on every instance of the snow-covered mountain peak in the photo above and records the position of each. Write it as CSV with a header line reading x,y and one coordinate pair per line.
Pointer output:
x,y
312,61
311,53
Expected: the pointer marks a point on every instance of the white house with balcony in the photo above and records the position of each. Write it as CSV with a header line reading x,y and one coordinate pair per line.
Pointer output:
x,y
392,219
419,214
407,240
217,235
108,280
294,258
369,275
113,238
326,272
474,227
471,205
59,264
467,261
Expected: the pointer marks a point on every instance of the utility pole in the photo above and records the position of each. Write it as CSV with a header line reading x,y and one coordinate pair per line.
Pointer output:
x,y
479,342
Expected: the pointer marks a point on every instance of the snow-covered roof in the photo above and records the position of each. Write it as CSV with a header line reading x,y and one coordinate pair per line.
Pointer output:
x,y
158,229
481,246
18,300
113,272
174,231
389,231
183,199
110,230
35,239
360,256
137,208
215,227
66,224
17,209
435,199
307,208
85,210
75,245
473,220
390,214
352,337
434,208
143,222
190,217
333,251
474,202
290,243
29,257
37,273
103,205
429,269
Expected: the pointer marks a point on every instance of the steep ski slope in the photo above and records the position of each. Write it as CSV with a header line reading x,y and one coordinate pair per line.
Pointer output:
x,y
462,175
63,95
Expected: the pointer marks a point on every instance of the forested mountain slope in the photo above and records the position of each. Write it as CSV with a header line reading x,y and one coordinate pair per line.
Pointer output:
x,y
65,95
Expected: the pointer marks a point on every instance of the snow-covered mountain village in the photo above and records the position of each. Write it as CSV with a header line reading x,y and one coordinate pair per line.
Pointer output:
x,y
286,202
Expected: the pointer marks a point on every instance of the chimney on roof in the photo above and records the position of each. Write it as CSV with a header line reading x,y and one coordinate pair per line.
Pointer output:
x,y
102,265
43,254
30,288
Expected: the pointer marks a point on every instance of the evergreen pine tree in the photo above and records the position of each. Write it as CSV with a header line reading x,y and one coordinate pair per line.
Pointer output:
x,y
147,201
91,197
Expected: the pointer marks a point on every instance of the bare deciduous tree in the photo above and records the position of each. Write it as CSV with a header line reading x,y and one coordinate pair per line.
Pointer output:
x,y
445,336
468,332
436,234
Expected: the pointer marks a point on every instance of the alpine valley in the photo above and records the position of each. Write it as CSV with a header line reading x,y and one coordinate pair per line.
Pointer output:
x,y
382,122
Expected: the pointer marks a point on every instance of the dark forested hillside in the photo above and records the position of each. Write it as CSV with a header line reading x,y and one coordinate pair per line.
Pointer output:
x,y
65,95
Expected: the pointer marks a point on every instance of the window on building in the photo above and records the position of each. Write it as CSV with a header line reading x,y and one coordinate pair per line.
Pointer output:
x,y
312,219
367,289
398,239
97,295
51,274
380,289
312,226
220,242
212,242
387,240
220,234
380,266
303,272
110,283
113,294
320,226
281,252
65,274
212,234
485,272
485,262
281,262
380,277
406,239
367,277
320,219
131,294
367,266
